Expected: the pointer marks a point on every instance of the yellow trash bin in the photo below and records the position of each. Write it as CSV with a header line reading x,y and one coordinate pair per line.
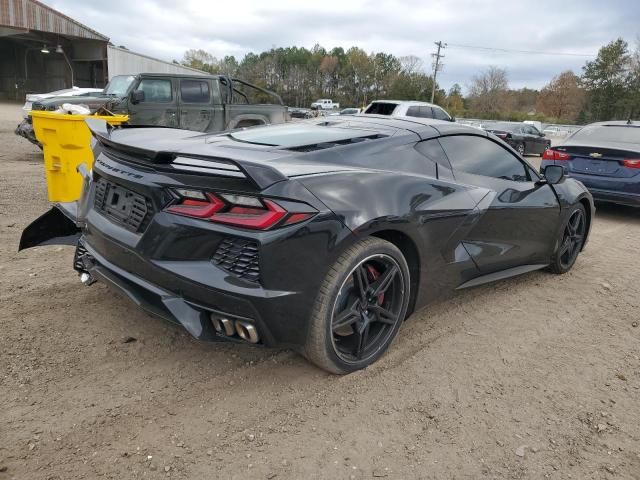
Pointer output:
x,y
66,143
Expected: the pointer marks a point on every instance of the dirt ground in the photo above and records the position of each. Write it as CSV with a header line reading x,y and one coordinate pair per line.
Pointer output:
x,y
533,377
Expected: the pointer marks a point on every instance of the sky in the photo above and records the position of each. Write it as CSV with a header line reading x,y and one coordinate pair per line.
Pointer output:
x,y
166,29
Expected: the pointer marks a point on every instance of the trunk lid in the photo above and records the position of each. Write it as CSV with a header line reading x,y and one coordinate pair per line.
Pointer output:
x,y
600,160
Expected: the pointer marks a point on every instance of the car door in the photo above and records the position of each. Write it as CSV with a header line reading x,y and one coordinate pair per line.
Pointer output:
x,y
535,142
159,105
516,222
196,104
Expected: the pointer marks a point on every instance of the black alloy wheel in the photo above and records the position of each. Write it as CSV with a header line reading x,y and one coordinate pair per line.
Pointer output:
x,y
573,237
359,308
368,306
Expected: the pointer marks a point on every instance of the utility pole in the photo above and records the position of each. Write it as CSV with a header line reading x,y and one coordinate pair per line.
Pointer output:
x,y
436,66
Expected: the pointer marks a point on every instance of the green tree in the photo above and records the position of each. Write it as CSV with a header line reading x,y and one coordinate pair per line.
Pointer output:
x,y
607,80
455,101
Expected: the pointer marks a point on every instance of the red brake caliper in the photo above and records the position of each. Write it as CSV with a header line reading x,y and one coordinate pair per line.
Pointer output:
x,y
373,276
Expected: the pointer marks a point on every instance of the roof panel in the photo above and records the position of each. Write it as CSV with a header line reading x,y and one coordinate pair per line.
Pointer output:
x,y
33,15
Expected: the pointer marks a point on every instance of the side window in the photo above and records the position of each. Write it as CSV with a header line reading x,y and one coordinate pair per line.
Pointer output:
x,y
440,114
156,90
432,150
413,112
427,112
194,91
481,156
417,111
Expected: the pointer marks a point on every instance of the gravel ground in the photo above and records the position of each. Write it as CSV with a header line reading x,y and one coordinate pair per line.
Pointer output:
x,y
533,377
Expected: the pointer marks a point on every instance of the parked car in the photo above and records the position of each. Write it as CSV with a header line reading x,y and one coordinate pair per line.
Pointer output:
x,y
407,108
534,123
67,92
605,157
555,132
322,236
203,103
296,112
525,139
470,123
325,104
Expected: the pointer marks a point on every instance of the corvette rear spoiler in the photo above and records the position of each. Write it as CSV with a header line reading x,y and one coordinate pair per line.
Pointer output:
x,y
260,174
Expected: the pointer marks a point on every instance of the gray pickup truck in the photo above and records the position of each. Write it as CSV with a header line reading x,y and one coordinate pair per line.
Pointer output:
x,y
203,103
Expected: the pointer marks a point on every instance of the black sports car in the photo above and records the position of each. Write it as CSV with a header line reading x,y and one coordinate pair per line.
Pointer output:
x,y
322,236
525,139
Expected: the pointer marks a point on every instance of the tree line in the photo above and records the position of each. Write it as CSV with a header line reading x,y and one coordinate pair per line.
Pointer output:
x,y
607,88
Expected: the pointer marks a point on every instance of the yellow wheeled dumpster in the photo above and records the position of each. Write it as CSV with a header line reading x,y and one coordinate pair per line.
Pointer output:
x,y
66,143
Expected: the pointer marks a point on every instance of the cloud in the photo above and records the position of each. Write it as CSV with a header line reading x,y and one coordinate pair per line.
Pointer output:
x,y
166,28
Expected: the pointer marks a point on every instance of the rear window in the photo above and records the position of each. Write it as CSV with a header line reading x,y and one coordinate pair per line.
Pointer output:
x,y
296,135
381,108
609,133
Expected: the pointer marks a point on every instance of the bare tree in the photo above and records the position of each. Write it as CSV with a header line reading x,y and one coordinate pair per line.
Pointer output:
x,y
562,98
489,92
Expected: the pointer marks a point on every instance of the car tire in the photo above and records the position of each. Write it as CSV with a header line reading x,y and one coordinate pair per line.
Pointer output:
x,y
571,240
341,347
520,149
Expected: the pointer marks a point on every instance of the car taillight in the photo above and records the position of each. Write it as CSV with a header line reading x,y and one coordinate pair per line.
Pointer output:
x,y
242,211
551,154
631,162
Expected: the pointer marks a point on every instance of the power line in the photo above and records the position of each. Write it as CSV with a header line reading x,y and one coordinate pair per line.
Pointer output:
x,y
529,52
436,65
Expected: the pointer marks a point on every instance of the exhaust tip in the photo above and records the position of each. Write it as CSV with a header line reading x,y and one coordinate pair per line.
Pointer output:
x,y
217,325
247,332
86,278
227,325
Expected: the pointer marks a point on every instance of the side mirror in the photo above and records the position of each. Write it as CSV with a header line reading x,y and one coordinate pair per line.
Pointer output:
x,y
554,174
452,119
137,96
542,134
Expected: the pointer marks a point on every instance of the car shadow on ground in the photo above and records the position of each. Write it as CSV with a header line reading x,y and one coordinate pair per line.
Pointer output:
x,y
614,212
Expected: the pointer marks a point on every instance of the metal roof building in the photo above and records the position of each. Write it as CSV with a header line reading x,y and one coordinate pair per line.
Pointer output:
x,y
42,50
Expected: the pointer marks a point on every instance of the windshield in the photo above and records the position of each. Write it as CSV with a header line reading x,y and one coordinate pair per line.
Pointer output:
x,y
609,133
119,85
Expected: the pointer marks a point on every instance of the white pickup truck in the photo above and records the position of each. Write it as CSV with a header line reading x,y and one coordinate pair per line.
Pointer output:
x,y
325,104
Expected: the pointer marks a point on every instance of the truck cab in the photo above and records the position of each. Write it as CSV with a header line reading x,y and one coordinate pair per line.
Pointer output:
x,y
202,103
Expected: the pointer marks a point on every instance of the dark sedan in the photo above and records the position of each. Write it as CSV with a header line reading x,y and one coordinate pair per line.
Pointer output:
x,y
525,139
322,236
605,157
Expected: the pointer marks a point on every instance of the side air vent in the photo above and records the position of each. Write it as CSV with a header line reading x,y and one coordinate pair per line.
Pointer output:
x,y
212,167
348,141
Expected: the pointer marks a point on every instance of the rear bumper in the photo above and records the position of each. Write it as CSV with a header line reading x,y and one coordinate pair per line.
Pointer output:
x,y
168,295
624,191
630,199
